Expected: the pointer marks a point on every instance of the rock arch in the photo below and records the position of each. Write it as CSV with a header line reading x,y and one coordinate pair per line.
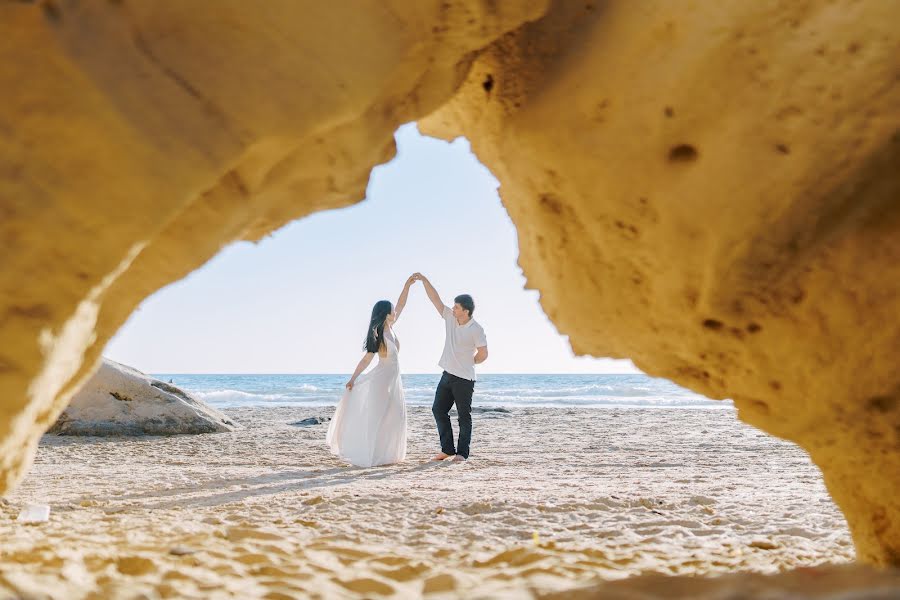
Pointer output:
x,y
711,192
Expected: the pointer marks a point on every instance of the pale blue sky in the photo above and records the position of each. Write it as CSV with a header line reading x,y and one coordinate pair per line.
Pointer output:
x,y
299,301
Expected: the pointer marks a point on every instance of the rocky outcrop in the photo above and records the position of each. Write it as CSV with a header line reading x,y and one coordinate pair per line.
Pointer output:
x,y
715,194
137,139
710,190
119,400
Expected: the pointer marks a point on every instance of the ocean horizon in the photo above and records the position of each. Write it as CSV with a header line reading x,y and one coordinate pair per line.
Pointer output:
x,y
491,390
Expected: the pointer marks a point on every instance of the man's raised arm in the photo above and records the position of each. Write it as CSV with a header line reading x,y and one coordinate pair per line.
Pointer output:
x,y
432,293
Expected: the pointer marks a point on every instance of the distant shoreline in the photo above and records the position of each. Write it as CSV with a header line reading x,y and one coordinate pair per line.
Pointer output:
x,y
512,390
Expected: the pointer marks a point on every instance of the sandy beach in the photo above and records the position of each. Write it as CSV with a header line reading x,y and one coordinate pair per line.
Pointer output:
x,y
552,499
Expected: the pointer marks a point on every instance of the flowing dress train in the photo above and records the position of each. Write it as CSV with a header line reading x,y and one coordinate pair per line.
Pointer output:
x,y
369,425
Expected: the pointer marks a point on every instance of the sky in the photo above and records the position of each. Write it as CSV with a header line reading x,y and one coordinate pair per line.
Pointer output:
x,y
299,301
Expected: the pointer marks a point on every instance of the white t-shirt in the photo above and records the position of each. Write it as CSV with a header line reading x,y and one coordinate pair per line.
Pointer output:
x,y
459,346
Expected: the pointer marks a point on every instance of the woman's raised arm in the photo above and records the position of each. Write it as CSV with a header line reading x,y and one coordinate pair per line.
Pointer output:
x,y
401,301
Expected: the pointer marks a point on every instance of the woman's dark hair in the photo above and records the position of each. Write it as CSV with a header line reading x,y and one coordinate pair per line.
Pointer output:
x,y
375,337
466,302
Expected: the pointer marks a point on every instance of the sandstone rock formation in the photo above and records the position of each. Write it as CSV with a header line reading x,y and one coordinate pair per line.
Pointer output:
x,y
712,190
119,400
136,139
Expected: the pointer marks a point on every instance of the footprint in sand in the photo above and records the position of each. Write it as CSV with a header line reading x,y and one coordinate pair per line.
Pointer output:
x,y
237,534
135,565
477,508
366,585
253,559
439,584
516,557
405,572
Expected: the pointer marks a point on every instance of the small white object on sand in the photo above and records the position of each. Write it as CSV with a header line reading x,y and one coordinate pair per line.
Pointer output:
x,y
34,513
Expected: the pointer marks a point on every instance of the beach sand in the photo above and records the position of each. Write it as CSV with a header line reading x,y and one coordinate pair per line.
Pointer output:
x,y
552,499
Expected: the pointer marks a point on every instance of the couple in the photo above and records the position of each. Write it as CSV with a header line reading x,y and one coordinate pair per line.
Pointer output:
x,y
369,425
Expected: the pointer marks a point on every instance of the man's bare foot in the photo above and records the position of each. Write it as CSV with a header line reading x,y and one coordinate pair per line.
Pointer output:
x,y
440,456
458,458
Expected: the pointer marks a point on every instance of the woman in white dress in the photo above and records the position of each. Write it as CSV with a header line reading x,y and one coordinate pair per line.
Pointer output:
x,y
369,425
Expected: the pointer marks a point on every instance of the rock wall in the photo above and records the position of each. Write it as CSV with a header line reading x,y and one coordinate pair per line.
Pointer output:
x,y
715,194
712,190
138,138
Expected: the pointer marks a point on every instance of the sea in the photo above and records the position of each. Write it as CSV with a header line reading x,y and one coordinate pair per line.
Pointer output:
x,y
491,390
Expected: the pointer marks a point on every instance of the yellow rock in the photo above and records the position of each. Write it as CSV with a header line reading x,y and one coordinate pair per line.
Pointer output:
x,y
137,139
714,193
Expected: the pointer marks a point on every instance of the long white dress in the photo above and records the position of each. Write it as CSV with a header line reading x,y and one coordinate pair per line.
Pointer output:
x,y
369,425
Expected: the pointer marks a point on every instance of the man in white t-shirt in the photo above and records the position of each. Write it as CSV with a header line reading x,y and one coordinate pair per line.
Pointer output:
x,y
464,347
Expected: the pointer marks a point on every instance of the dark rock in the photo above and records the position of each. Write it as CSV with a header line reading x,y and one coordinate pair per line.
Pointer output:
x,y
311,421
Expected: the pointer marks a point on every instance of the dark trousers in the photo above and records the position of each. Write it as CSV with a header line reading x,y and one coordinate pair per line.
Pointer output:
x,y
450,390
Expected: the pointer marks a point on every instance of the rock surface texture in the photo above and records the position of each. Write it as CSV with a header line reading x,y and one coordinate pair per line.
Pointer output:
x,y
119,400
712,190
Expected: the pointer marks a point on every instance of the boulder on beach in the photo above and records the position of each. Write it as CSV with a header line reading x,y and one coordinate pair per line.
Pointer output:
x,y
119,400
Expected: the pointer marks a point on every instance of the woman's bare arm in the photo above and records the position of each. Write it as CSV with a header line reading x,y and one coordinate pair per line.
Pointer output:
x,y
404,295
363,363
